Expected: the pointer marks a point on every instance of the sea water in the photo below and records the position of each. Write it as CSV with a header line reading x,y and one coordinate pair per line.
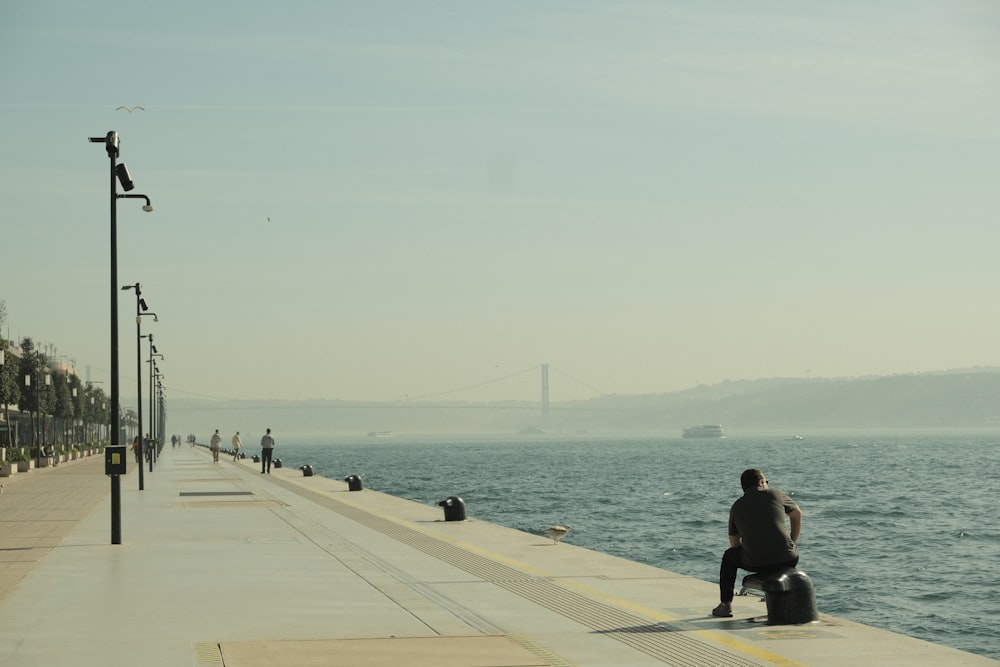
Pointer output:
x,y
900,530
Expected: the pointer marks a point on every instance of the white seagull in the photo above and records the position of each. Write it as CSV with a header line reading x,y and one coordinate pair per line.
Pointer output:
x,y
557,532
130,109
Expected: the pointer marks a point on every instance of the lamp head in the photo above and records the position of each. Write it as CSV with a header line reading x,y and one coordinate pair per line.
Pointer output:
x,y
110,142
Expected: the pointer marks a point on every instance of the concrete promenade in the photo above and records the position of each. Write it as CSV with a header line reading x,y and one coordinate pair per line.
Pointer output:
x,y
222,566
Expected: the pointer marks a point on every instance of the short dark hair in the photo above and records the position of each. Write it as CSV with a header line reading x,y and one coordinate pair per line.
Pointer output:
x,y
751,478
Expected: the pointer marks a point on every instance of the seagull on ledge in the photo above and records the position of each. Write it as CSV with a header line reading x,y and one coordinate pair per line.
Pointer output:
x,y
557,532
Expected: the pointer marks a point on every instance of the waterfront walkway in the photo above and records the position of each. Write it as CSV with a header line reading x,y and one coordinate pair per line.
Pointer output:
x,y
221,566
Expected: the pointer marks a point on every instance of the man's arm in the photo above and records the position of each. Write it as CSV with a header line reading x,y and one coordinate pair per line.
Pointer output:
x,y
795,517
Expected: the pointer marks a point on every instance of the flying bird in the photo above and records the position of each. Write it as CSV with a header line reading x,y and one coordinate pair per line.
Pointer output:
x,y
557,532
131,109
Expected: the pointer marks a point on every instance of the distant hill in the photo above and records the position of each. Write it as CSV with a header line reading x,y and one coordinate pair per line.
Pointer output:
x,y
968,398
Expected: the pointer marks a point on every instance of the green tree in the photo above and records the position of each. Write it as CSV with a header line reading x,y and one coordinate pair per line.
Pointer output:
x,y
37,397
77,399
94,408
10,392
62,408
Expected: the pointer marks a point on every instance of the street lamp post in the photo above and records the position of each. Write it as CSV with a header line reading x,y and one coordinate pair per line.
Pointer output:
x,y
119,173
154,374
161,412
140,308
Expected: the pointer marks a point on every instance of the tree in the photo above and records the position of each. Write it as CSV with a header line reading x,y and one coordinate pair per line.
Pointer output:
x,y
77,399
63,402
10,392
94,407
37,398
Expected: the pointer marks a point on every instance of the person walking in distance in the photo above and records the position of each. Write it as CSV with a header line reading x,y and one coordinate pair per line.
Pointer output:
x,y
215,444
758,538
237,443
266,449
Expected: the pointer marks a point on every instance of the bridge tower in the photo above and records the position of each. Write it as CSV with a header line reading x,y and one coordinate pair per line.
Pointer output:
x,y
545,394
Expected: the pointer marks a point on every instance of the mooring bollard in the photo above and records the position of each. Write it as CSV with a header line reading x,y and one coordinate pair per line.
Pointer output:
x,y
353,483
277,463
307,471
454,508
788,593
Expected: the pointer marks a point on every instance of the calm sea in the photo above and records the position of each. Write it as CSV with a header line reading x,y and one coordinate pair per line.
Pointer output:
x,y
900,530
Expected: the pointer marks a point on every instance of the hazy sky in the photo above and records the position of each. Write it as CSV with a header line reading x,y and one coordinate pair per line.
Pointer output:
x,y
382,200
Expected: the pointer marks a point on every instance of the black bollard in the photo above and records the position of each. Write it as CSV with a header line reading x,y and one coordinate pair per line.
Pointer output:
x,y
454,508
277,463
307,471
353,483
795,604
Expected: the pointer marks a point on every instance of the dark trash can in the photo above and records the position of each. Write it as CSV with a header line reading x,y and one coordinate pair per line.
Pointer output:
x,y
307,471
277,463
353,483
454,508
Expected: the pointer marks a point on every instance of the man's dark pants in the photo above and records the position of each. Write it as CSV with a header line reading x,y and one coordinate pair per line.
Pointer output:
x,y
732,560
265,459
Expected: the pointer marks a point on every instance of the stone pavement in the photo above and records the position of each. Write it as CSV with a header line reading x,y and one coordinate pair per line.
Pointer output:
x,y
221,566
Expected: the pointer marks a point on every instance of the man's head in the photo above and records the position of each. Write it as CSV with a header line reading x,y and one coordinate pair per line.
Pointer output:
x,y
751,479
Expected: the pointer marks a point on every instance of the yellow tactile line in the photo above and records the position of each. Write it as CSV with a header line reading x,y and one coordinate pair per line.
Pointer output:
x,y
543,652
208,654
655,614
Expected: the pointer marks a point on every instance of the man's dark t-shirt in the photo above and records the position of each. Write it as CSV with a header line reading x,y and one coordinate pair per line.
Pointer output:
x,y
758,517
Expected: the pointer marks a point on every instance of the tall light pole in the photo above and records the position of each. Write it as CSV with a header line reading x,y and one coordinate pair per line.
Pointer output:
x,y
158,411
152,408
119,172
140,310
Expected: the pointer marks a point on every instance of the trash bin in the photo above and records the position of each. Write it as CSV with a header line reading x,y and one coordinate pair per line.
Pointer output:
x,y
454,508
307,471
353,483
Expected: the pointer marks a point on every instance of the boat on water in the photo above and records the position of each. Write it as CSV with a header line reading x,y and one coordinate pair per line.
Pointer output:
x,y
379,434
704,431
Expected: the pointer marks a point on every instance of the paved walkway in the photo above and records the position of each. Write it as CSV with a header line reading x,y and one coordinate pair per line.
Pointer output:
x,y
222,566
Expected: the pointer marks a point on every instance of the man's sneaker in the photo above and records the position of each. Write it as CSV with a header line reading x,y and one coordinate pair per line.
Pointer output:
x,y
723,610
